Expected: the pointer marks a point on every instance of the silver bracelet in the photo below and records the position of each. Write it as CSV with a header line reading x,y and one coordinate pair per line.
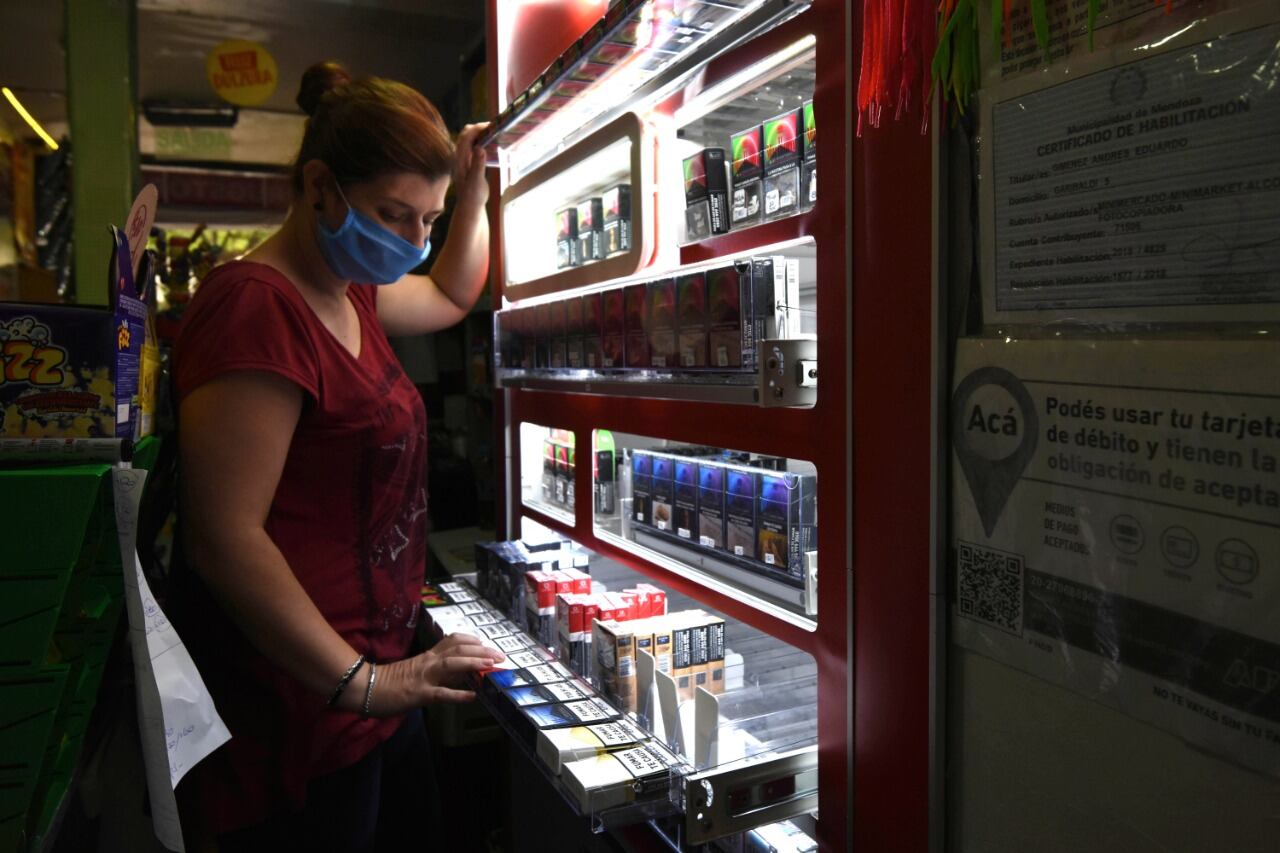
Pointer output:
x,y
368,691
345,680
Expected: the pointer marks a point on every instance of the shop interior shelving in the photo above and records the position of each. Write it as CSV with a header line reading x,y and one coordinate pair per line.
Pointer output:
x,y
805,41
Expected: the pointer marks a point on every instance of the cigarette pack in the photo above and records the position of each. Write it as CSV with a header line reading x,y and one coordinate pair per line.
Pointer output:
x,y
616,203
711,505
662,322
782,154
573,332
701,667
558,747
614,672
619,777
642,488
682,641
547,694
559,335
691,320
569,610
657,598
663,491
642,631
706,195
590,231
564,475
731,320
642,602
716,655
685,503
740,512
808,184
662,643
809,166
567,238
613,342
548,673
580,581
776,294
527,658
637,325
620,607
746,169
542,336
788,521
592,330
510,643
606,490
540,605
782,192
528,338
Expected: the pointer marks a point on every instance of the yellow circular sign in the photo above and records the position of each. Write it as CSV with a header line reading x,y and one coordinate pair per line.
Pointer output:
x,y
242,72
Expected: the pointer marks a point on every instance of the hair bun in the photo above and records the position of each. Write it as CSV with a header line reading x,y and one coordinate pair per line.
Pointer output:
x,y
317,80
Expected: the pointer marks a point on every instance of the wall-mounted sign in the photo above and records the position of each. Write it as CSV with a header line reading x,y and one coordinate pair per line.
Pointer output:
x,y
1116,523
242,72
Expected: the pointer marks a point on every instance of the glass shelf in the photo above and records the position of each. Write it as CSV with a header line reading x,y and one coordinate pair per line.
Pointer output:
x,y
637,52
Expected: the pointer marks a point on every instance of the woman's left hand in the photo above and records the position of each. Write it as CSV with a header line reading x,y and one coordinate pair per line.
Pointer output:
x,y
469,167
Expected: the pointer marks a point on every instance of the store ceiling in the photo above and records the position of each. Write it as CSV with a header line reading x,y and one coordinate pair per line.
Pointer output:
x,y
417,41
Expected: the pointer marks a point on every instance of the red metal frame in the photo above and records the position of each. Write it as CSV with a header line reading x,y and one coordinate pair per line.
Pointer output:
x,y
872,641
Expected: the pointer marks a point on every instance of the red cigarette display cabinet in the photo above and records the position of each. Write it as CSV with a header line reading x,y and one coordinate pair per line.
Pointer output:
x,y
864,250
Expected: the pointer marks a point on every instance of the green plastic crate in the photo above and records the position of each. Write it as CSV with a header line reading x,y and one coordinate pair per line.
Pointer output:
x,y
52,532
46,512
28,705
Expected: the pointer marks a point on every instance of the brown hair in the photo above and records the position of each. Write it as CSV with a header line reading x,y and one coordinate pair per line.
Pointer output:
x,y
366,128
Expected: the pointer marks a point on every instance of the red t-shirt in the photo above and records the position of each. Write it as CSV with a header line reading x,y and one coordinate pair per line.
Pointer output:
x,y
348,515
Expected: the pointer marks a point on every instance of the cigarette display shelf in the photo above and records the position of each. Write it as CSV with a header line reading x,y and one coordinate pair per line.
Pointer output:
x,y
867,272
757,767
650,54
61,596
777,382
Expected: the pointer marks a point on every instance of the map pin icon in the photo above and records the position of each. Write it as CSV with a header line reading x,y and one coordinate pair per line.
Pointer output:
x,y
994,431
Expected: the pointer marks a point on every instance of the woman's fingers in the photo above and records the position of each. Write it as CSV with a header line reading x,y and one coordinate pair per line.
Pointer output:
x,y
452,696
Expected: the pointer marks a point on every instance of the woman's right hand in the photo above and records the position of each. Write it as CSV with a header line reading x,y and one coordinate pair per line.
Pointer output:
x,y
435,676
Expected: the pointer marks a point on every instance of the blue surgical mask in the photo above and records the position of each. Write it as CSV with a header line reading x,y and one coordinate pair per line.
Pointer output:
x,y
363,251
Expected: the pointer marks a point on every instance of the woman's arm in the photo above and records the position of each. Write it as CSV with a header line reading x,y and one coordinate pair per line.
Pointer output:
x,y
417,303
234,439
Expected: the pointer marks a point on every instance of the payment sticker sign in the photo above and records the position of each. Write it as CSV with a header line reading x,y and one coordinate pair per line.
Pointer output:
x,y
242,72
1116,527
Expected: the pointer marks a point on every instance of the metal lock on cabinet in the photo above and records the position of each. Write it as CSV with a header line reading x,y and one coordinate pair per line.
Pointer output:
x,y
788,372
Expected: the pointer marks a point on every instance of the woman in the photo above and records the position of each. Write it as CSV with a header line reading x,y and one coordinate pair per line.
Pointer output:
x,y
302,448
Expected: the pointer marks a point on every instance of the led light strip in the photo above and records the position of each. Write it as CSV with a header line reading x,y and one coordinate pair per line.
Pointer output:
x,y
28,118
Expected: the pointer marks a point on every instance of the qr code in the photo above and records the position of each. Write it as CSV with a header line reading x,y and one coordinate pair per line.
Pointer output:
x,y
990,586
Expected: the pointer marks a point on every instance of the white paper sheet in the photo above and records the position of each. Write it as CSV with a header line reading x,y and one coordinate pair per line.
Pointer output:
x,y
178,722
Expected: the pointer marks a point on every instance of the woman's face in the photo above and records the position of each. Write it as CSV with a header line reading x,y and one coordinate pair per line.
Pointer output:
x,y
405,203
